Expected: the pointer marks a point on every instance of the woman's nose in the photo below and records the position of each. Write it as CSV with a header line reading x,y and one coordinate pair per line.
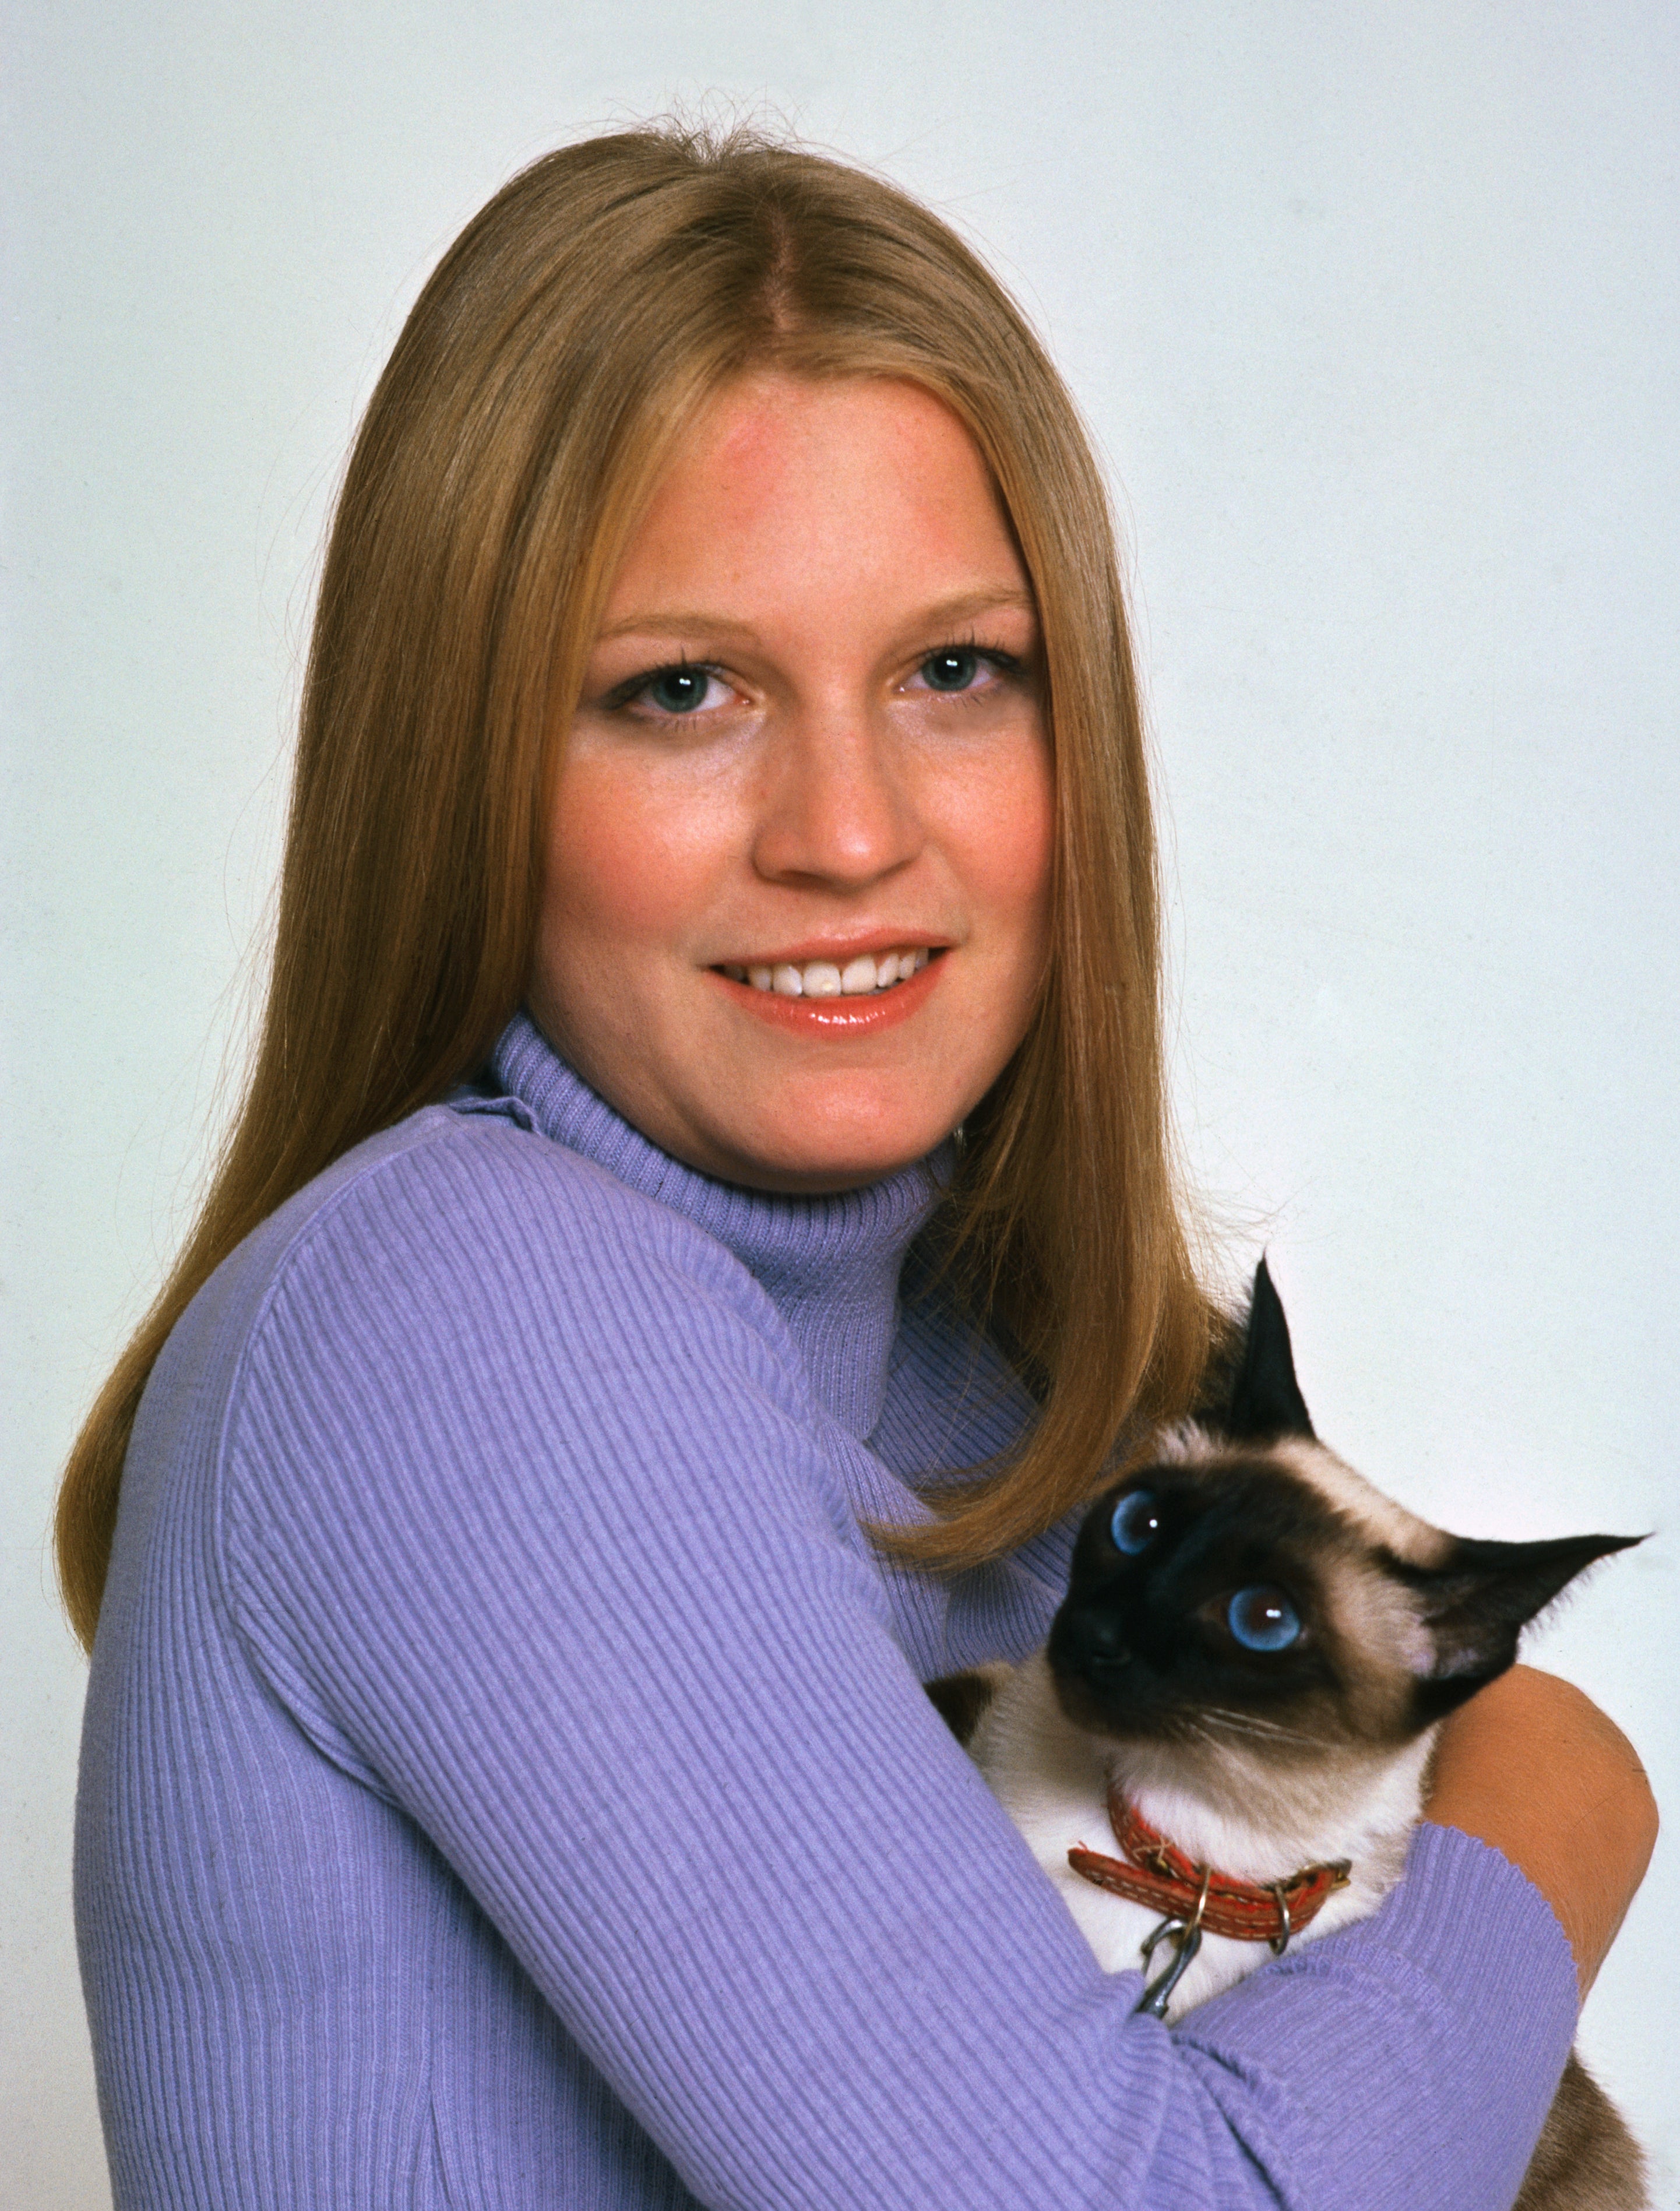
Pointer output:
x,y
836,807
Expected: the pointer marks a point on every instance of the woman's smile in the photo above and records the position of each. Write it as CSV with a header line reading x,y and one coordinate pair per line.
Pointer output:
x,y
835,973
795,914
823,998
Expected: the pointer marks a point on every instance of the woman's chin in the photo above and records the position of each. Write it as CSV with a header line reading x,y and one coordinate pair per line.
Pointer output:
x,y
805,1173
809,1153
748,1115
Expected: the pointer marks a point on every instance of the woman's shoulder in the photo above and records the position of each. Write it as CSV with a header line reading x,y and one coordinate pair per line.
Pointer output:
x,y
462,1254
458,1299
469,1206
455,1184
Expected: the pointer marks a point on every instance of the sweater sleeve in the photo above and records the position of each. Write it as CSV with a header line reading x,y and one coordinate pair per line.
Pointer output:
x,y
526,1517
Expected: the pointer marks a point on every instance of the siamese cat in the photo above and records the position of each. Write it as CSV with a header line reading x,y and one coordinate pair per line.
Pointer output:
x,y
1224,1745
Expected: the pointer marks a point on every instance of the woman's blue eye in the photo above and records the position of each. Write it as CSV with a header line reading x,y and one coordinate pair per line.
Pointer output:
x,y
1263,1618
951,671
678,690
1136,1522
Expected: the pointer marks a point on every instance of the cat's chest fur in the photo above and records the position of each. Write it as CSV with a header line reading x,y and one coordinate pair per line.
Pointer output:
x,y
1053,1780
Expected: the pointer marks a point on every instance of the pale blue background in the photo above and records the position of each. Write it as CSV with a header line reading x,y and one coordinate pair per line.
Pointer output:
x,y
1374,311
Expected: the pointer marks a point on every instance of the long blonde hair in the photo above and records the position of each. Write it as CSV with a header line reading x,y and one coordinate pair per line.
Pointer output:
x,y
560,348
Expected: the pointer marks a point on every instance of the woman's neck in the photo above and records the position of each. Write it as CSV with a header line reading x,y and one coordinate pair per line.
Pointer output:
x,y
829,1263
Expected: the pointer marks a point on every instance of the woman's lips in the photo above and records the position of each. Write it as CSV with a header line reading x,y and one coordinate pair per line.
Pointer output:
x,y
861,1015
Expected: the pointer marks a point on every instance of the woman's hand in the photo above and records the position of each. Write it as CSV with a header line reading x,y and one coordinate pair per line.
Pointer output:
x,y
1534,1768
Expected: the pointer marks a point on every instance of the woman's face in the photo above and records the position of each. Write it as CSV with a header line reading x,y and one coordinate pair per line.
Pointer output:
x,y
809,740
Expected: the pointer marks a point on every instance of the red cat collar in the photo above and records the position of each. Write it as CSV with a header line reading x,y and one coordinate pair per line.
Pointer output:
x,y
1162,1877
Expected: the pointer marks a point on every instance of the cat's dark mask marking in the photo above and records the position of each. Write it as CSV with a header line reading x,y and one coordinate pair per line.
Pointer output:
x,y
1399,1622
1140,1649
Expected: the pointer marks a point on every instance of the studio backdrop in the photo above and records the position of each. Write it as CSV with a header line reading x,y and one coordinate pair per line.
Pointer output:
x,y
1375,312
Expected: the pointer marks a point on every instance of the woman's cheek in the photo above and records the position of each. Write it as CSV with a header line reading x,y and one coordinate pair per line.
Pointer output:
x,y
1007,830
631,858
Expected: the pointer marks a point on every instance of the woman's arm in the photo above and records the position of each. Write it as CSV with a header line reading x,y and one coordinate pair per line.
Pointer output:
x,y
1532,1767
529,1521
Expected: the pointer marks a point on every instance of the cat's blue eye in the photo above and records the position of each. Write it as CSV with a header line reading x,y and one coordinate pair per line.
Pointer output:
x,y
1263,1618
1136,1522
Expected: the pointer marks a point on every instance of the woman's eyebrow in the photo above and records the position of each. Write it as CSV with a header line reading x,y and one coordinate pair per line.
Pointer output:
x,y
693,624
654,623
968,606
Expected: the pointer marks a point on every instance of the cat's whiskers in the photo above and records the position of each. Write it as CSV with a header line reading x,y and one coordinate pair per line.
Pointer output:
x,y
1251,1724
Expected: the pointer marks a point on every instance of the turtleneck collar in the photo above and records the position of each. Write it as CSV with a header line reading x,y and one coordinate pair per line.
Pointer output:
x,y
830,1264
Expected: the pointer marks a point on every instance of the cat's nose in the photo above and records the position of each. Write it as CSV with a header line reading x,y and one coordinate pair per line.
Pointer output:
x,y
1099,1639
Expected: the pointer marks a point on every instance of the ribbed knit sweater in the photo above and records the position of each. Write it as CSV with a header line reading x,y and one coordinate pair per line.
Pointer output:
x,y
506,1781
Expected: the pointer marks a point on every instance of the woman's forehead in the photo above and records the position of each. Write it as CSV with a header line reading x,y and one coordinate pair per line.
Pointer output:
x,y
782,482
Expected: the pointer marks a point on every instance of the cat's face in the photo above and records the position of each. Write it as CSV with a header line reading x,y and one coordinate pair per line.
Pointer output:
x,y
1246,1589
1218,1590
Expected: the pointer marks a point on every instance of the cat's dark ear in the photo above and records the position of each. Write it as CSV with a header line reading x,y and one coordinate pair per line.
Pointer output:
x,y
1478,1603
1265,1397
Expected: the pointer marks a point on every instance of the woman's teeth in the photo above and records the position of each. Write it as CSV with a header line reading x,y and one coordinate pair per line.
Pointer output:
x,y
821,979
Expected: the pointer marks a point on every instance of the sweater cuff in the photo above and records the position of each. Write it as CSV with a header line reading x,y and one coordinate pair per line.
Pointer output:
x,y
1463,1908
1457,1997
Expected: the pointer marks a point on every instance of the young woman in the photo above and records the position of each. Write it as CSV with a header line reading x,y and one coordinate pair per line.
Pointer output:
x,y
700,1223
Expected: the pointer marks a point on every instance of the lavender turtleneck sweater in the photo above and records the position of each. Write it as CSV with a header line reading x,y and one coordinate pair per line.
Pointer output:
x,y
506,1782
